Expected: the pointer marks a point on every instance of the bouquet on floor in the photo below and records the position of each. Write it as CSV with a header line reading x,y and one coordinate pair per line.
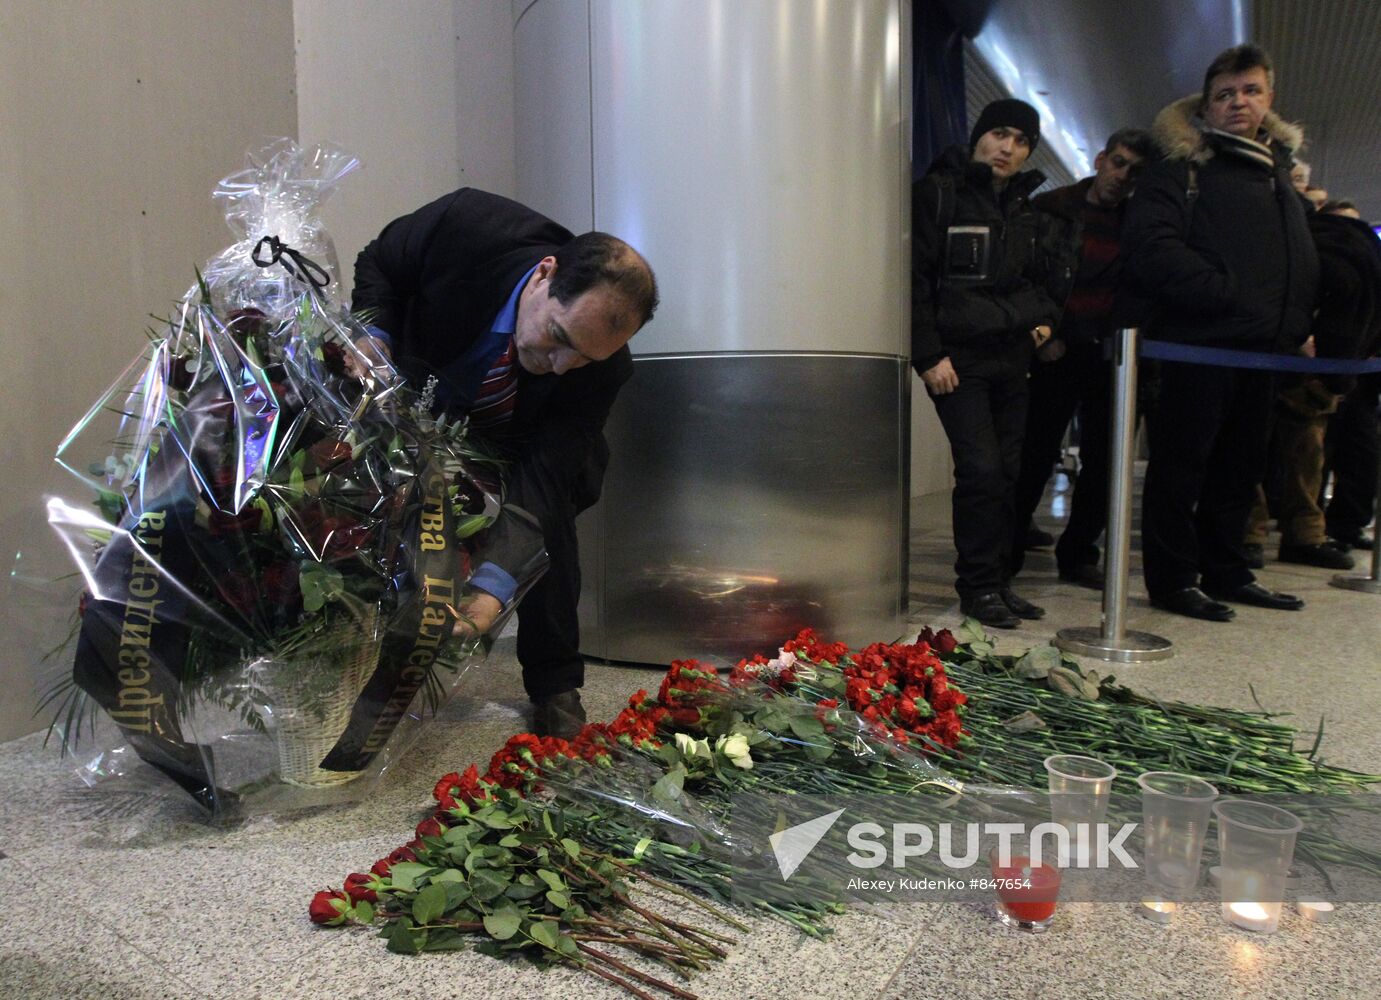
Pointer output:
x,y
279,534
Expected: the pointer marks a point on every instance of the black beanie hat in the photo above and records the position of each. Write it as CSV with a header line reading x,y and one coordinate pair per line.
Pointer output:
x,y
1009,112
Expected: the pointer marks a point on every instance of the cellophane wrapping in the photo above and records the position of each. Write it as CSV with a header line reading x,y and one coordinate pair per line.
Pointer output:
x,y
274,534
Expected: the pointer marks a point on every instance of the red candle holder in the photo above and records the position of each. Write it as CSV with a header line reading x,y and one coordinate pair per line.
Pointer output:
x,y
1026,893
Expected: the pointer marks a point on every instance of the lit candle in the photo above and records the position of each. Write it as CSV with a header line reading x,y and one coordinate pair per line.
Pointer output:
x,y
1252,916
1158,911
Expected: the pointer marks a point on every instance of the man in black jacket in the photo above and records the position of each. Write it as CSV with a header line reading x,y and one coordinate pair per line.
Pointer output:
x,y
1070,373
525,327
979,306
1216,238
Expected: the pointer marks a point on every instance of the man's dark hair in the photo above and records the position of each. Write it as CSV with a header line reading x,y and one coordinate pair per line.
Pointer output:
x,y
1239,59
1138,140
1337,205
594,259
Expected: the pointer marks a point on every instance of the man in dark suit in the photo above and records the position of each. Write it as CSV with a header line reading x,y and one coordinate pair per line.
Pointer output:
x,y
525,327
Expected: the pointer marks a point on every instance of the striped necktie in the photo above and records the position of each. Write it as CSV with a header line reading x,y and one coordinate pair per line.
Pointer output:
x,y
498,392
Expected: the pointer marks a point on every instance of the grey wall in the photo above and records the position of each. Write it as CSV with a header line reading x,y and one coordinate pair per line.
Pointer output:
x,y
117,120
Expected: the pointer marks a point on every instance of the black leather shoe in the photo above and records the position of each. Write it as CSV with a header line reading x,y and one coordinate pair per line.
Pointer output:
x,y
990,609
1194,603
560,715
1326,556
1359,540
1084,574
1020,606
1256,555
1038,539
1259,597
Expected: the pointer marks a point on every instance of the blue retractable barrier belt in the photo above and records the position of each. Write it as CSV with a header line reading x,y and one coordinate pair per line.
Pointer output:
x,y
1223,357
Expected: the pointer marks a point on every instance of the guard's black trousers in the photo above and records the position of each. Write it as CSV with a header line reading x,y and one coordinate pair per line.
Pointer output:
x,y
1350,450
1208,452
984,419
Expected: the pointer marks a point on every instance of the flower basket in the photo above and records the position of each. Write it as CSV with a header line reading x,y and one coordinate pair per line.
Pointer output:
x,y
309,722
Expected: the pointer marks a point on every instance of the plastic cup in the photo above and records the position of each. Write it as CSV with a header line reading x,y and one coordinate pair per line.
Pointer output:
x,y
1175,811
1079,790
1257,844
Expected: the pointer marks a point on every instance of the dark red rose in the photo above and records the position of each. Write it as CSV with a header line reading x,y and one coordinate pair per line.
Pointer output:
x,y
329,908
239,591
221,524
328,453
334,357
945,641
357,887
430,828
401,854
280,583
382,867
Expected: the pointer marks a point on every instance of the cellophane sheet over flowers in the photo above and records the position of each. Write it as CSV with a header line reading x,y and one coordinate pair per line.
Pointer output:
x,y
274,534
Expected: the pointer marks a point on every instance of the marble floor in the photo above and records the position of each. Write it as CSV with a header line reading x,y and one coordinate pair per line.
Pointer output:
x,y
131,896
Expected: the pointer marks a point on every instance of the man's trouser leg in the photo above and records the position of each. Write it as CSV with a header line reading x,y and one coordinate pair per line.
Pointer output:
x,y
1301,420
1235,468
1351,447
984,419
548,623
1088,502
1191,406
1054,393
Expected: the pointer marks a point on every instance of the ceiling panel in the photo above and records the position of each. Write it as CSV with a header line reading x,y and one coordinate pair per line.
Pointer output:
x,y
1328,77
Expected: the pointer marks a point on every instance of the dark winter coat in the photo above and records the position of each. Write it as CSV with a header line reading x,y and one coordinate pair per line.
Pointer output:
x,y
1232,265
979,262
1348,323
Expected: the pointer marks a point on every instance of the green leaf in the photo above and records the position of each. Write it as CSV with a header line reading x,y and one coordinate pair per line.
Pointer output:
x,y
405,874
487,883
1038,662
405,939
512,840
970,631
523,892
445,939
545,933
546,822
553,880
558,899
807,728
567,946
470,525
638,849
456,893
503,923
571,847
429,904
666,789
364,911
448,875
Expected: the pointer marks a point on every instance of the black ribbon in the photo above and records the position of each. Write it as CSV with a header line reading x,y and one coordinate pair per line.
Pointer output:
x,y
298,264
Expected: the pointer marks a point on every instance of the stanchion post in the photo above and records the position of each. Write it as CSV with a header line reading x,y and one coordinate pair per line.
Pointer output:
x,y
1113,642
1367,584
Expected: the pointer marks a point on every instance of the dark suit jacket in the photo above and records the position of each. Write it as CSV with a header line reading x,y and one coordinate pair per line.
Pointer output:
x,y
434,280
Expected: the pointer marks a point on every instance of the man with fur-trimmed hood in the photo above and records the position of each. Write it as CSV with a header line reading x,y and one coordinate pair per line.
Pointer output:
x,y
1216,239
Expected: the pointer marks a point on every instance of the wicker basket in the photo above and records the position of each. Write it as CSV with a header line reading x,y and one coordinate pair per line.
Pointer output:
x,y
310,724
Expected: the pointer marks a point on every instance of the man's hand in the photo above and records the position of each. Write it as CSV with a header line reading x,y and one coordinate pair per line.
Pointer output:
x,y
942,378
478,613
1040,334
1307,348
1053,350
372,351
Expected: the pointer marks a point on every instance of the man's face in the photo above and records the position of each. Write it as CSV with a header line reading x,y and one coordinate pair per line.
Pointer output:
x,y
552,338
1115,175
1238,102
1004,149
1299,177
